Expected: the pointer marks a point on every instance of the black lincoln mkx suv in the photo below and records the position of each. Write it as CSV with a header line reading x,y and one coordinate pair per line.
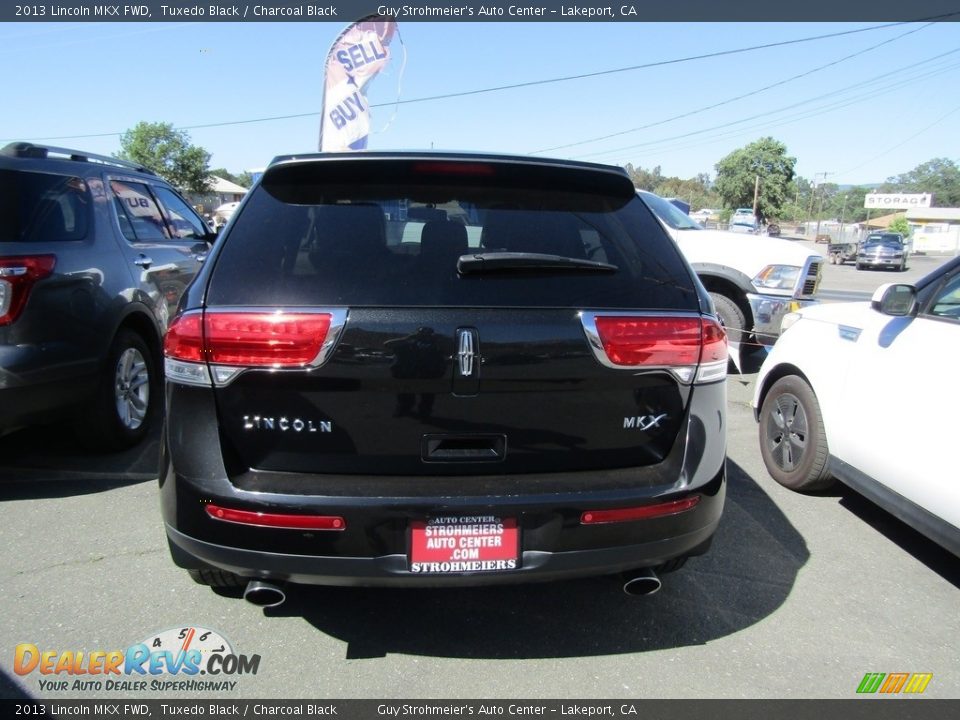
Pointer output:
x,y
440,369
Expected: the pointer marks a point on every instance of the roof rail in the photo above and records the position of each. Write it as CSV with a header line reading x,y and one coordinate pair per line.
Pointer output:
x,y
31,150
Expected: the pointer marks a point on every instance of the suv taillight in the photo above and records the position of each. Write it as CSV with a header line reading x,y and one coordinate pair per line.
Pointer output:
x,y
17,276
693,349
232,341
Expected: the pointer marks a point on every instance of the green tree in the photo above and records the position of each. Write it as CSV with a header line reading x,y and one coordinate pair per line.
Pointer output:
x,y
644,179
168,153
900,225
243,179
695,191
940,176
225,174
847,205
737,172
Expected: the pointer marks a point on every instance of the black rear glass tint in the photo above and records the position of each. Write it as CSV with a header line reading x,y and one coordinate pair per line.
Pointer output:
x,y
39,207
378,245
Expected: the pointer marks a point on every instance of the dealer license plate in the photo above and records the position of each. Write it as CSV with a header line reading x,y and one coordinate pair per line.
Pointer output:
x,y
464,543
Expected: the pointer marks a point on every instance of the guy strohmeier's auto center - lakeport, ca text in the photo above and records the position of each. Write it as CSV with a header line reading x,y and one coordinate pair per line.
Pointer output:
x,y
309,10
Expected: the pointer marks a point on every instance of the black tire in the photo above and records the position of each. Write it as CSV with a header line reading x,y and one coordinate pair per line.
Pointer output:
x,y
730,316
859,266
217,578
123,407
793,444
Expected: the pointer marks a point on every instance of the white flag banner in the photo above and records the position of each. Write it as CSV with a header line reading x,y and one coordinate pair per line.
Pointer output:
x,y
357,55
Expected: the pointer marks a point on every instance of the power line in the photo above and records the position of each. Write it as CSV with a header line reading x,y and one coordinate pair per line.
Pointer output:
x,y
855,86
904,142
532,83
733,99
802,115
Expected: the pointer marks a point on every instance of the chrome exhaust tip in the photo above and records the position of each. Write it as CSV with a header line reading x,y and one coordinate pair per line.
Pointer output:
x,y
264,594
641,582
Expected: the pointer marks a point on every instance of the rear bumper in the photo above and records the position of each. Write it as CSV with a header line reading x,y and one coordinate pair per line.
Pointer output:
x,y
392,570
379,511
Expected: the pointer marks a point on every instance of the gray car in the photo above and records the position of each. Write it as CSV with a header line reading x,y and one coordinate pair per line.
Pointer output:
x,y
883,250
94,256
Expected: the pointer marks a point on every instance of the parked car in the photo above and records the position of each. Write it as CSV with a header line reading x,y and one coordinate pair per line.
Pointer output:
x,y
530,387
773,230
223,213
753,281
744,224
883,250
839,370
94,256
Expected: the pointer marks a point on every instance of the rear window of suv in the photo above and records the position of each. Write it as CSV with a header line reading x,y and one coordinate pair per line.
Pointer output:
x,y
40,207
309,240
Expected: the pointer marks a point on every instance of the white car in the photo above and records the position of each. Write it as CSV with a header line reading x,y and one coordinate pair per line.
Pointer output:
x,y
867,393
224,212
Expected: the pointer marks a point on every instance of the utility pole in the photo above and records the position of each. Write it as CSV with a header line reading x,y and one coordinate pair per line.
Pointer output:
x,y
813,194
843,215
756,194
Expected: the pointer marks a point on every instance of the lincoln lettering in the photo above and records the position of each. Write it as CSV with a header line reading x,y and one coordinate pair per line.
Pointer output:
x,y
284,424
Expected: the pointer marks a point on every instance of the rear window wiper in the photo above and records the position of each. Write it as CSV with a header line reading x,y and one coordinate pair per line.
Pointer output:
x,y
500,261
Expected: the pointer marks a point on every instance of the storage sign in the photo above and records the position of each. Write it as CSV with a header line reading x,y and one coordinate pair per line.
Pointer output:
x,y
897,201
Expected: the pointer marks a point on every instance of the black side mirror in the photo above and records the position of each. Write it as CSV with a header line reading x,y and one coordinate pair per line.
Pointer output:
x,y
894,299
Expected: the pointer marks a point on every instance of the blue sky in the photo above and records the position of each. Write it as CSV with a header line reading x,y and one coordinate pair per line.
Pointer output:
x,y
880,117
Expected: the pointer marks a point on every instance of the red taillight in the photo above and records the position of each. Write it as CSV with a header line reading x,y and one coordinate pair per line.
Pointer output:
x,y
17,276
184,338
642,512
714,348
248,338
661,341
277,520
271,339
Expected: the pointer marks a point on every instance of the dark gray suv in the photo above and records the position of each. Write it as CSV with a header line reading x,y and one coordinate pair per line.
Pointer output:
x,y
94,256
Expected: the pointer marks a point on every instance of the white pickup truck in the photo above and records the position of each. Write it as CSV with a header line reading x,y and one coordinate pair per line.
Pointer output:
x,y
754,280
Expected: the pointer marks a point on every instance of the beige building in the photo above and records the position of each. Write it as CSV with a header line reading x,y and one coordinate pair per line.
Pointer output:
x,y
935,229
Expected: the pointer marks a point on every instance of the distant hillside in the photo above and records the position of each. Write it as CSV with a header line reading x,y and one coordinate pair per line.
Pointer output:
x,y
872,186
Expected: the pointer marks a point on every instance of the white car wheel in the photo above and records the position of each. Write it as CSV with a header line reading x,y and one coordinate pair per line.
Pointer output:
x,y
792,440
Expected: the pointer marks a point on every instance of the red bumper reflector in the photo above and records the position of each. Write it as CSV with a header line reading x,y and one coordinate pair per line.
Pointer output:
x,y
277,520
643,512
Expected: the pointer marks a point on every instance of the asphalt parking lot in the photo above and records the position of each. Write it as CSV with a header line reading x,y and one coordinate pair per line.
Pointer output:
x,y
799,597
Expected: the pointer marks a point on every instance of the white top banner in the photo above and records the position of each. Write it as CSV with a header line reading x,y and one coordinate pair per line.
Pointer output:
x,y
356,56
897,201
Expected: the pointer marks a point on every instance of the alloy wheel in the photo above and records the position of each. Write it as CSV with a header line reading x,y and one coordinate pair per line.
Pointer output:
x,y
131,388
787,432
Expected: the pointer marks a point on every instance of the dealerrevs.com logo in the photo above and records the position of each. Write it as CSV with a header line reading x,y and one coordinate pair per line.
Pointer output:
x,y
188,658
